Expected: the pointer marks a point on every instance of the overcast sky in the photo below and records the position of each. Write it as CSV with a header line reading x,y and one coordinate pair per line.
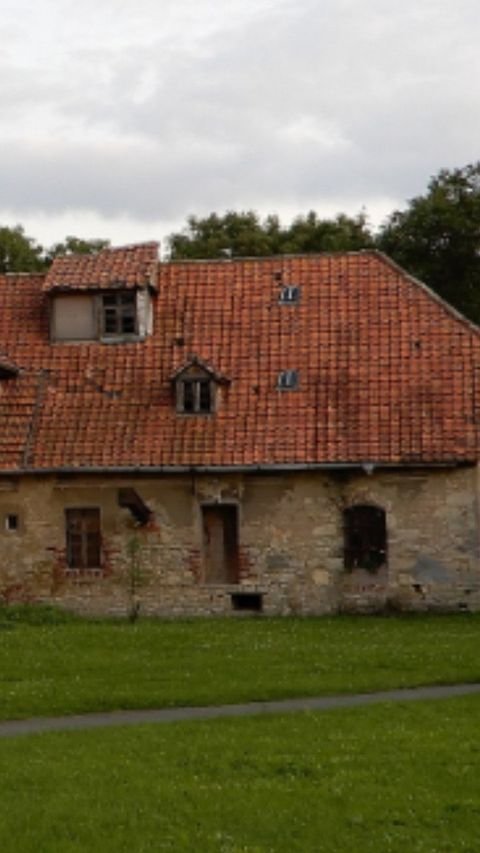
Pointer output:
x,y
121,117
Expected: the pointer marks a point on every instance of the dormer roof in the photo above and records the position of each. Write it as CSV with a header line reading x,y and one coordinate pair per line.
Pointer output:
x,y
122,268
194,362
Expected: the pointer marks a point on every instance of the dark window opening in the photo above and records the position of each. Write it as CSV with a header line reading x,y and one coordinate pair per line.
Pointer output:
x,y
119,315
131,500
195,396
365,533
287,380
11,523
220,543
83,538
252,601
289,295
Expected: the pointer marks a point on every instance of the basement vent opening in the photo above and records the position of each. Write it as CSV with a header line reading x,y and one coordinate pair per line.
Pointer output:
x,y
289,295
287,380
247,601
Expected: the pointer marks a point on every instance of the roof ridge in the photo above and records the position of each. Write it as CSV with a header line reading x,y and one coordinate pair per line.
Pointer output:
x,y
287,255
417,282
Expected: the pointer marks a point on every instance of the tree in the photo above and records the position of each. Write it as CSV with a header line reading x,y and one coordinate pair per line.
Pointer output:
x,y
244,234
75,246
239,234
341,234
19,253
437,238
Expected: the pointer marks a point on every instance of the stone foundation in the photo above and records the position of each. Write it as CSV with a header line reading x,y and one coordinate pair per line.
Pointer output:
x,y
290,550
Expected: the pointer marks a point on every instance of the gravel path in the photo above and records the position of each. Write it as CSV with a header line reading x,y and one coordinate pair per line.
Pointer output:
x,y
282,706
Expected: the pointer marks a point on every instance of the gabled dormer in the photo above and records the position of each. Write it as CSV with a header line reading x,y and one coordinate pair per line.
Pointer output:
x,y
106,296
197,386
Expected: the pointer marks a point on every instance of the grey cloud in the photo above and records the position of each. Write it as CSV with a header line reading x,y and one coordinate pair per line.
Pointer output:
x,y
345,100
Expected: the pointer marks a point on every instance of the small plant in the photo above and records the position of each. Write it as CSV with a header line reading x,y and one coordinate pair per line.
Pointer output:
x,y
134,578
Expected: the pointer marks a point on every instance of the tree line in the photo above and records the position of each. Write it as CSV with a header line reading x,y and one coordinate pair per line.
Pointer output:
x,y
436,238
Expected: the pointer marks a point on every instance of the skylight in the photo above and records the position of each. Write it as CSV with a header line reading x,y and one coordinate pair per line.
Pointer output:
x,y
287,379
289,294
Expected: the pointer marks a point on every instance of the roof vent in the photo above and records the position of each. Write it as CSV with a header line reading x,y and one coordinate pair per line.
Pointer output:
x,y
289,294
287,379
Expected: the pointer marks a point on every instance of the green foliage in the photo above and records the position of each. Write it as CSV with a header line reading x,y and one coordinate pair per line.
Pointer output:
x,y
245,235
384,779
134,577
34,614
76,246
19,253
88,666
342,234
438,237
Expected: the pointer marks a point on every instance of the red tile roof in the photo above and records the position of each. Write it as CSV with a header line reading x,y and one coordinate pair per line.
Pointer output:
x,y
125,267
387,372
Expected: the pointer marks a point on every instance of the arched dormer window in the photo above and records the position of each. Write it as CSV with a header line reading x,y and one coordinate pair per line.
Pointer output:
x,y
196,388
365,537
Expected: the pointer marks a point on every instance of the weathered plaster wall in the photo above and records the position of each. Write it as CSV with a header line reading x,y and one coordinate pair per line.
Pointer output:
x,y
290,542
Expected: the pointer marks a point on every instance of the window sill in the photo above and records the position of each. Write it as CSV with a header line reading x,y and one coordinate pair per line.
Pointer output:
x,y
90,573
195,414
121,339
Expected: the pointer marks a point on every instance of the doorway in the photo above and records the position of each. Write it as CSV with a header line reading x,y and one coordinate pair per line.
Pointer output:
x,y
220,543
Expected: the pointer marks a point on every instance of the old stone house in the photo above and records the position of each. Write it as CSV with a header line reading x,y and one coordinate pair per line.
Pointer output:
x,y
285,435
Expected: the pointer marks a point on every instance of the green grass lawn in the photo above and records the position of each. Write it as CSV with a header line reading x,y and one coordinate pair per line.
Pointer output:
x,y
55,668
382,779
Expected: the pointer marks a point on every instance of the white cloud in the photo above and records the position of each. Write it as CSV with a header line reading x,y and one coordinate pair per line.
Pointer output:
x,y
136,114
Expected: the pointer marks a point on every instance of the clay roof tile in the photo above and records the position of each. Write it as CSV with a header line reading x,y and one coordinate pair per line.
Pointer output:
x,y
387,371
110,268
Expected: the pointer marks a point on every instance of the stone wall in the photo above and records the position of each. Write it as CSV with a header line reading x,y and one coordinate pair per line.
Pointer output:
x,y
290,546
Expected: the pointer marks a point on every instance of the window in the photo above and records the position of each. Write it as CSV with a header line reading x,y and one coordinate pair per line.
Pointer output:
x,y
365,537
11,523
289,294
195,396
83,538
197,387
119,315
287,379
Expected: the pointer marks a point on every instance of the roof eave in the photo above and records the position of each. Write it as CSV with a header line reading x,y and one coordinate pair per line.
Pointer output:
x,y
367,467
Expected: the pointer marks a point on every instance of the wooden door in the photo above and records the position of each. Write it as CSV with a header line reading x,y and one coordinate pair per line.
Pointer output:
x,y
220,543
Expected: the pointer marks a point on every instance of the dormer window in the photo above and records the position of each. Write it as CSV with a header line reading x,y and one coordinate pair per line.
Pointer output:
x,y
106,296
197,388
119,313
195,396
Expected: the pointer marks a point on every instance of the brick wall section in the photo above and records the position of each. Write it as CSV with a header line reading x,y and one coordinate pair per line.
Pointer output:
x,y
290,542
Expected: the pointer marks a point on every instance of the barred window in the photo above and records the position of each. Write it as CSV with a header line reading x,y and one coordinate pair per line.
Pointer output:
x,y
83,538
365,537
